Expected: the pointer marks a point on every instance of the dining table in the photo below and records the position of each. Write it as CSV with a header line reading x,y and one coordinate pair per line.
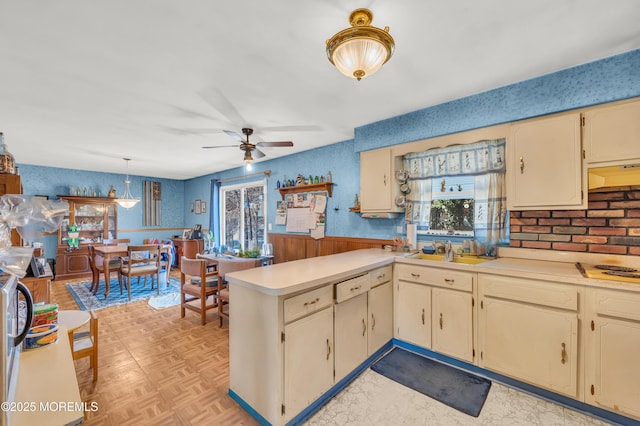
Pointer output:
x,y
111,252
107,253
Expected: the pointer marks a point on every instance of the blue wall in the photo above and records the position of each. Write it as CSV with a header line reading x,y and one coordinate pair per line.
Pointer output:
x,y
606,80
52,181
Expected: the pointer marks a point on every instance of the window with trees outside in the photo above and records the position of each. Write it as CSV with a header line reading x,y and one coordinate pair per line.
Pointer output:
x,y
243,215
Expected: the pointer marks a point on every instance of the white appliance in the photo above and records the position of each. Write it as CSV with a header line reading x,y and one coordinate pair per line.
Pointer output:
x,y
16,310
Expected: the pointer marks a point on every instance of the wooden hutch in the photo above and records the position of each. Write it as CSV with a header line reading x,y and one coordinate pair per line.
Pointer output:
x,y
11,184
97,220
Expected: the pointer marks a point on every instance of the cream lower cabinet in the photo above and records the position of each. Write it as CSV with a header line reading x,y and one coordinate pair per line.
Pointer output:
x,y
612,350
528,330
434,309
363,319
308,360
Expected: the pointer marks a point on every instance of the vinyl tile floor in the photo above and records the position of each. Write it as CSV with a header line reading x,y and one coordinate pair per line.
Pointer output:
x,y
372,399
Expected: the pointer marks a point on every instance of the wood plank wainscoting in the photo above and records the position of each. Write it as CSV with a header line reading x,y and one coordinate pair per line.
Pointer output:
x,y
288,247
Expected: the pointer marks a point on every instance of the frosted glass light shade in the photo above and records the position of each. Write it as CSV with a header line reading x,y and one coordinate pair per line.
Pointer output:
x,y
360,57
127,201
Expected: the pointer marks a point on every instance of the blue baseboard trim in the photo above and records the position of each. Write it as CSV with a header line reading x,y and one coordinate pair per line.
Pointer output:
x,y
522,386
248,408
507,381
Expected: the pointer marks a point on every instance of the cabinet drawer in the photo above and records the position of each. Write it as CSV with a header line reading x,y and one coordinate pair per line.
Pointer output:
x,y
352,287
546,293
621,304
456,280
380,275
306,303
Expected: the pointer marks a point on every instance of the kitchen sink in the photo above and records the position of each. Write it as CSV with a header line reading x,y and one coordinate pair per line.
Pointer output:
x,y
467,260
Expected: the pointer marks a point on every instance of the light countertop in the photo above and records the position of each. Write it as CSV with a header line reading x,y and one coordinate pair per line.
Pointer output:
x,y
292,277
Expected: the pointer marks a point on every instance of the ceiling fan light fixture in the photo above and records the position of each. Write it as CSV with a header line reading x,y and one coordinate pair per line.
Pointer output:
x,y
360,51
127,200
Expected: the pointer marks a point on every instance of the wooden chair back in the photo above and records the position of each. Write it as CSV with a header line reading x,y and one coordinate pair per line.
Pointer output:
x,y
116,241
86,345
195,287
142,260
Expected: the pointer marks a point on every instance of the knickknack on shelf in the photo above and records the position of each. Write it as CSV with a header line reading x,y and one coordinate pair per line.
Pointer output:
x,y
325,186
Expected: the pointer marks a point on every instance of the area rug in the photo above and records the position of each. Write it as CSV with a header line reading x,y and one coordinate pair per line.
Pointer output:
x,y
456,388
87,301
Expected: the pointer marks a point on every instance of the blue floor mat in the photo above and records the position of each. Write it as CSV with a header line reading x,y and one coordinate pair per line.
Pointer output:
x,y
456,388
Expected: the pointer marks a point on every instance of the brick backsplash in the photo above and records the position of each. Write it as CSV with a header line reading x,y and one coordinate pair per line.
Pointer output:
x,y
610,225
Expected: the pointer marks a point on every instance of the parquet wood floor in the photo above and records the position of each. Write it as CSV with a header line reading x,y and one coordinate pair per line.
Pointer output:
x,y
156,368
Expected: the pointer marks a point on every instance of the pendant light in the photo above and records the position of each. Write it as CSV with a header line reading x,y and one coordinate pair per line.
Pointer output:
x,y
361,50
127,200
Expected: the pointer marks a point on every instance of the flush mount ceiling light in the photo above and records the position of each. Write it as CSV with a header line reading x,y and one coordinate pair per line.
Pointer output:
x,y
127,200
358,52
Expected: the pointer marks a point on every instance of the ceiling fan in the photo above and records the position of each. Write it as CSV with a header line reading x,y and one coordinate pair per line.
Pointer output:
x,y
248,147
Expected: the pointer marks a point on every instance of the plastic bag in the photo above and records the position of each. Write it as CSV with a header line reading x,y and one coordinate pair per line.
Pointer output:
x,y
30,216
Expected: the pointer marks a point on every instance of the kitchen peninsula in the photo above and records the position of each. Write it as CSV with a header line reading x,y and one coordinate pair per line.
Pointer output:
x,y
281,337
301,330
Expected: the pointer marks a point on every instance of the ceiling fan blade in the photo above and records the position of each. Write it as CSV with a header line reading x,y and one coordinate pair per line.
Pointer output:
x,y
281,143
220,103
220,146
257,153
234,135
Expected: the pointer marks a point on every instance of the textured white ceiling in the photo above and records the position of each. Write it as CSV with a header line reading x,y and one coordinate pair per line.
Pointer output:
x,y
85,83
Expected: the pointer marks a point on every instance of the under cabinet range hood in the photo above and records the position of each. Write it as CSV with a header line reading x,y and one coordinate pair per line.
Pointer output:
x,y
614,176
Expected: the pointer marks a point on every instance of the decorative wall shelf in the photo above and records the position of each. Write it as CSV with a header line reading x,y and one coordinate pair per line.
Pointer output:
x,y
326,186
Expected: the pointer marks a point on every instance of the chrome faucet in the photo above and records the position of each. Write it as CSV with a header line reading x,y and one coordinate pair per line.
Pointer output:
x,y
448,252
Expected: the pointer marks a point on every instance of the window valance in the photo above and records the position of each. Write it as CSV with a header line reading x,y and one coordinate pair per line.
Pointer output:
x,y
476,158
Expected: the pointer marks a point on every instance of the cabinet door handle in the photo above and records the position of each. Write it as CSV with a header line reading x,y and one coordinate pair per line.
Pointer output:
x,y
521,164
328,349
441,321
373,322
423,316
364,327
449,280
312,302
384,179
356,288
563,354
414,275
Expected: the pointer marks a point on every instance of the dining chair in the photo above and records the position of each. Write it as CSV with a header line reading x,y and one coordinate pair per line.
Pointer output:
x,y
97,268
143,260
86,344
197,283
116,241
223,299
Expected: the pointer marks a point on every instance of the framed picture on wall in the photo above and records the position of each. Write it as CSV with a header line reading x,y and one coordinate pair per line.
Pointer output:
x,y
198,207
203,207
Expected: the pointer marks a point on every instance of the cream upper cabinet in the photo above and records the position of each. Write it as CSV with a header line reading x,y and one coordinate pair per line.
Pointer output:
x,y
612,350
378,186
544,164
528,329
612,134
